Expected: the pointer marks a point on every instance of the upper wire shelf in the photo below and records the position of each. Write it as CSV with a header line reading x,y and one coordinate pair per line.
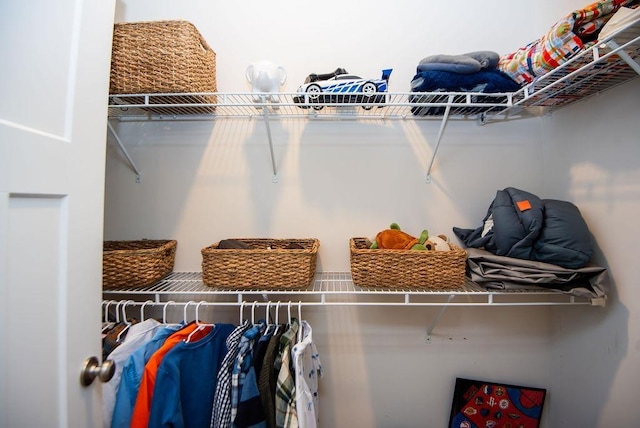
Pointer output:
x,y
608,63
388,105
337,288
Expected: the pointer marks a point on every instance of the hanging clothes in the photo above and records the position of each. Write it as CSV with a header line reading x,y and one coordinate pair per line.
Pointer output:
x,y
132,373
222,376
244,384
260,349
185,380
140,416
221,414
285,385
267,378
137,336
110,339
308,369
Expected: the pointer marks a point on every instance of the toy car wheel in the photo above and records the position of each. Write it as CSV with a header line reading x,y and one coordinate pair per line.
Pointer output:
x,y
314,92
368,89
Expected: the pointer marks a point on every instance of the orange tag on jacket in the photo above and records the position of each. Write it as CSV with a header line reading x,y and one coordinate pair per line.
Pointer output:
x,y
524,205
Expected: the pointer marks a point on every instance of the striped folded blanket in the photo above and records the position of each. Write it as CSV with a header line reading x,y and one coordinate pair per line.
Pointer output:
x,y
564,39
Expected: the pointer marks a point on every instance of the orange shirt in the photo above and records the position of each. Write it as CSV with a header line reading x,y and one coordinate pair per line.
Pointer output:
x,y
140,416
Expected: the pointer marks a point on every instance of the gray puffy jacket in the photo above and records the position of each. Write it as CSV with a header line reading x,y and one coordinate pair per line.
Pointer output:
x,y
521,225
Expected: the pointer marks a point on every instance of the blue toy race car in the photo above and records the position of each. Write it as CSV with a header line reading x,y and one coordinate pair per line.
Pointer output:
x,y
341,87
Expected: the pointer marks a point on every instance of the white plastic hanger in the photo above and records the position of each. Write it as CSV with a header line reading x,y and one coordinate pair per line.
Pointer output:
x,y
242,312
124,319
253,313
198,311
300,321
107,325
266,317
277,317
142,309
200,326
164,311
185,318
118,305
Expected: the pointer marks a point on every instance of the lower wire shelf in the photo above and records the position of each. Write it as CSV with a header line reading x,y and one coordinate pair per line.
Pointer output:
x,y
337,289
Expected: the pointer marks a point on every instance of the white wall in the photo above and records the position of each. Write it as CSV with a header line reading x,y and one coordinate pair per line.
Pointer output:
x,y
205,181
592,157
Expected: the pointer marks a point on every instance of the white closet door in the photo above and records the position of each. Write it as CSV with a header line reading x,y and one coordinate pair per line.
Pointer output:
x,y
53,94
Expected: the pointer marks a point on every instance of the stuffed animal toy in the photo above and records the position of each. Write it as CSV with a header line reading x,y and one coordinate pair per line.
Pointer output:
x,y
395,239
440,242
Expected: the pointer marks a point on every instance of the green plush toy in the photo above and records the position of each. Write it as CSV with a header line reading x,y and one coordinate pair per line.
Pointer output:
x,y
395,239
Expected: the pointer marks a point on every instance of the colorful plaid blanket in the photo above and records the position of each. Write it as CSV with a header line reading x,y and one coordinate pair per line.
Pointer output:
x,y
564,39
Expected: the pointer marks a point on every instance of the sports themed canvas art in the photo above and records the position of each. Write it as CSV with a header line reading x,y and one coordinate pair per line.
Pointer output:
x,y
481,404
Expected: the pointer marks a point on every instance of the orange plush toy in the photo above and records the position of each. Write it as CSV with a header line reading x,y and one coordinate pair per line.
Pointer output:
x,y
395,239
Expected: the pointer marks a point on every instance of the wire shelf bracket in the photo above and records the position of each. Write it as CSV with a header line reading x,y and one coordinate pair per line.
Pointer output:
x,y
124,150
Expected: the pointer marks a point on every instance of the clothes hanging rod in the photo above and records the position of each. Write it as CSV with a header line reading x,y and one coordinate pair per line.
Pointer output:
x,y
249,303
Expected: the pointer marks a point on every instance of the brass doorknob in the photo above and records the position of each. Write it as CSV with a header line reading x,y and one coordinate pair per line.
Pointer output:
x,y
92,369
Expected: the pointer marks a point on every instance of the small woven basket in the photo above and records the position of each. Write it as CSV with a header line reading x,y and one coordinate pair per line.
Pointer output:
x,y
131,264
406,268
267,264
161,57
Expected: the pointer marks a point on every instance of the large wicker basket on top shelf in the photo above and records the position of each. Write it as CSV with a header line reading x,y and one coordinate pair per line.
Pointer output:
x,y
267,264
131,264
406,268
162,57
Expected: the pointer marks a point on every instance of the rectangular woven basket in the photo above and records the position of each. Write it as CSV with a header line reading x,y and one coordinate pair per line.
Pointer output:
x,y
161,57
406,268
267,264
131,264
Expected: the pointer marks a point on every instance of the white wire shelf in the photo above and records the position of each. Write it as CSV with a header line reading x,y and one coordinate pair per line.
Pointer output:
x,y
610,62
391,105
209,106
337,289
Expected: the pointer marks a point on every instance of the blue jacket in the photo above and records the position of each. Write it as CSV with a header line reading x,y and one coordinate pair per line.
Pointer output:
x,y
186,381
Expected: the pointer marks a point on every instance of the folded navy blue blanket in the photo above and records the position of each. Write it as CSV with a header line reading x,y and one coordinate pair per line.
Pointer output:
x,y
491,81
484,81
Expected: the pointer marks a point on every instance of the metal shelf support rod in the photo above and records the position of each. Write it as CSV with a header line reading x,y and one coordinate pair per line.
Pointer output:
x,y
624,55
443,125
265,110
437,319
124,151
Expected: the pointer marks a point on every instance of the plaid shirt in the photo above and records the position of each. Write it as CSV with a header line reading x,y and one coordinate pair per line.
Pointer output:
x,y
286,416
221,415
241,366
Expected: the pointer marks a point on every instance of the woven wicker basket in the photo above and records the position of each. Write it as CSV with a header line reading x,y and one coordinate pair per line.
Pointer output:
x,y
260,266
406,269
131,264
161,57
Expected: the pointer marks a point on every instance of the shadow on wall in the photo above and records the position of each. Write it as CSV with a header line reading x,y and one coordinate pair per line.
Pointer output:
x,y
589,345
265,152
160,152
356,167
